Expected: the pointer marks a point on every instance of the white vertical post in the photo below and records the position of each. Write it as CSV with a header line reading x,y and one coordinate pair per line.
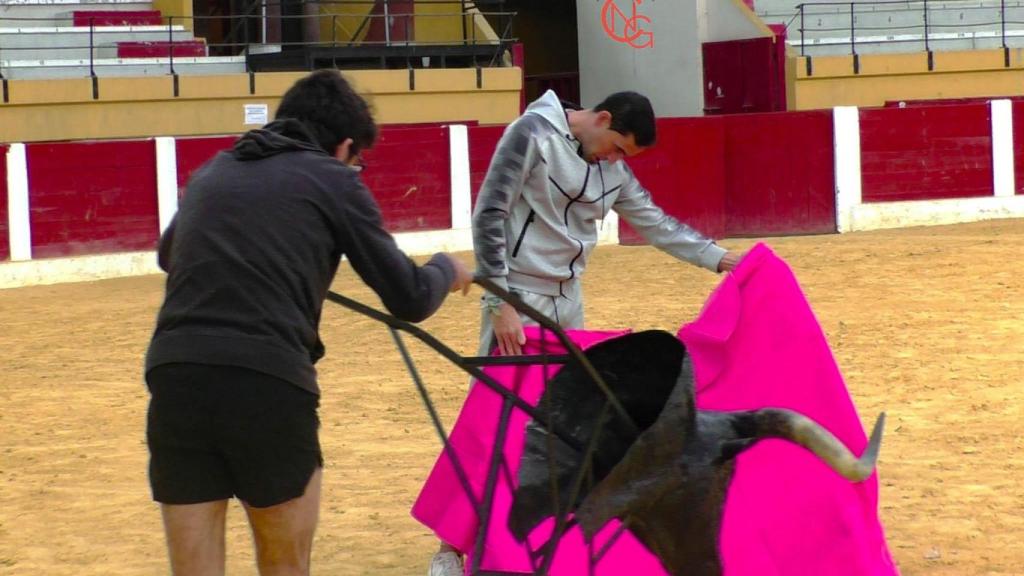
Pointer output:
x,y
608,229
462,209
166,180
846,141
1002,148
18,218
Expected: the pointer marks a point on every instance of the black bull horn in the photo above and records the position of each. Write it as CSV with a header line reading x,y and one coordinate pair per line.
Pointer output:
x,y
667,483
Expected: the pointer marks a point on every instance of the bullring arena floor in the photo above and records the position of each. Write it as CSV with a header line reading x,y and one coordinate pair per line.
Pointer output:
x,y
926,323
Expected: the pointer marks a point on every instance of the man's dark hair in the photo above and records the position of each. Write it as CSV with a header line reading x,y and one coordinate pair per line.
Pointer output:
x,y
631,114
331,110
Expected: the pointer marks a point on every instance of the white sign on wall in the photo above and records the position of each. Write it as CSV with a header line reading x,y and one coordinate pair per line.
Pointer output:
x,y
255,114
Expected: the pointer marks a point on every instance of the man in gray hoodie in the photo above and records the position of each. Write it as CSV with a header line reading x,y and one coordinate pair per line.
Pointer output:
x,y
555,173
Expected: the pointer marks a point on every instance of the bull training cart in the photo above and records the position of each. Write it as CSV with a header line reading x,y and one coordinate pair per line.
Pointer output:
x,y
542,557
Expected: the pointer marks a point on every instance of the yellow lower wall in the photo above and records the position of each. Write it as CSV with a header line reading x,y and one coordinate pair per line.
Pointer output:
x,y
433,22
340,22
47,110
439,22
179,10
893,77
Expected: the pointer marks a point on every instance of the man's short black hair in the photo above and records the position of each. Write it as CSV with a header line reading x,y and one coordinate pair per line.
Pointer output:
x,y
331,110
631,114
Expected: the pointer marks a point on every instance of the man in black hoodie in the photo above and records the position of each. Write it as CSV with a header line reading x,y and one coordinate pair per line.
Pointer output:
x,y
250,256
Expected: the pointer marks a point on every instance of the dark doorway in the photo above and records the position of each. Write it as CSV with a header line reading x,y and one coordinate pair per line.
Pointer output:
x,y
228,25
548,31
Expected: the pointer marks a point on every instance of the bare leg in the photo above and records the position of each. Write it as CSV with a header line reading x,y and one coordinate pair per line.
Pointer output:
x,y
195,537
284,533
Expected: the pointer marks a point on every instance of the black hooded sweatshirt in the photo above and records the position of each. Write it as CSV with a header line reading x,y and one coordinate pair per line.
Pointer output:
x,y
254,247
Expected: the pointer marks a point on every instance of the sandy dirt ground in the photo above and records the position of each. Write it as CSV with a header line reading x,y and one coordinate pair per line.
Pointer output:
x,y
926,323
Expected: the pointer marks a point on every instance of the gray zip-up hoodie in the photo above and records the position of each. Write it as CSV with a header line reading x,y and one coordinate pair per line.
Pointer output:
x,y
535,220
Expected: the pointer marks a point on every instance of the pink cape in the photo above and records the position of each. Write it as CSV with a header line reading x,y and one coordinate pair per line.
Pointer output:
x,y
755,344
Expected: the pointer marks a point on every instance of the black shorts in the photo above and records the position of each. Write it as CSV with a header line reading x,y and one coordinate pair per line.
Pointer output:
x,y
220,431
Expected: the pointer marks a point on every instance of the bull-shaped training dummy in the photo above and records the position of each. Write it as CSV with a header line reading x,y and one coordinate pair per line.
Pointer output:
x,y
666,473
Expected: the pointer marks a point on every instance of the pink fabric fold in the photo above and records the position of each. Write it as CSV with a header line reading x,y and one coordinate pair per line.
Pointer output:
x,y
443,506
755,344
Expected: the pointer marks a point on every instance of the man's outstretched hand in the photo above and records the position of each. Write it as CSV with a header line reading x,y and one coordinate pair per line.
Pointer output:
x,y
729,261
508,330
463,277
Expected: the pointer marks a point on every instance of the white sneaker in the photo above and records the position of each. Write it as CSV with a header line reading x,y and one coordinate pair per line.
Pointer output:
x,y
445,563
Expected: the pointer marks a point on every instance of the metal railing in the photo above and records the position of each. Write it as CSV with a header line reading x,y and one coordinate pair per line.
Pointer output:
x,y
582,441
924,29
261,29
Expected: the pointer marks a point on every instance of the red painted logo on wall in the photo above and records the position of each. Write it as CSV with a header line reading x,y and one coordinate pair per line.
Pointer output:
x,y
627,28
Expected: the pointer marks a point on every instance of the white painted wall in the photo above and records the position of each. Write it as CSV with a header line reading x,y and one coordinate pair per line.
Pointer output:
x,y
1003,181
19,228
166,180
671,71
729,20
846,146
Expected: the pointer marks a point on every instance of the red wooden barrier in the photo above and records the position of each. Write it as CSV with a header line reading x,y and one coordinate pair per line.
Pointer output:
x,y
565,84
398,125
161,49
779,173
685,173
400,21
92,197
5,245
926,152
192,153
116,18
745,75
948,101
482,142
409,173
519,60
741,175
1018,144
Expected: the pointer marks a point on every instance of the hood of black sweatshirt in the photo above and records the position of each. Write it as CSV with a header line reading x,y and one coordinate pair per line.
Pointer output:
x,y
285,135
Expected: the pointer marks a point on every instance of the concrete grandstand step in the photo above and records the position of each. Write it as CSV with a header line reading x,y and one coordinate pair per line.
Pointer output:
x,y
116,18
895,21
900,44
161,48
121,67
62,43
786,9
32,13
